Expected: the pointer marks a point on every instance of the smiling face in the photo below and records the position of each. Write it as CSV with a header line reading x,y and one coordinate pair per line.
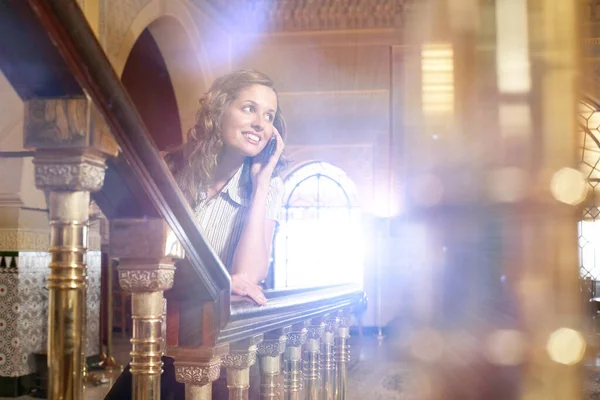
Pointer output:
x,y
247,123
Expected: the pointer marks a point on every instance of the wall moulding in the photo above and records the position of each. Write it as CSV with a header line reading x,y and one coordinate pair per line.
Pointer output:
x,y
329,38
24,240
36,240
10,200
306,15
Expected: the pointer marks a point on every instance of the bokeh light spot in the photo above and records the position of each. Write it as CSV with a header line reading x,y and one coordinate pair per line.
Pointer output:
x,y
566,346
569,186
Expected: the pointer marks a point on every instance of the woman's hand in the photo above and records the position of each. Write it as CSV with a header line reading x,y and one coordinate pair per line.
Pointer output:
x,y
263,167
242,285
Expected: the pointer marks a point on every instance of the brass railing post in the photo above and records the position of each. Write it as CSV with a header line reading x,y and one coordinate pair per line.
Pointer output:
x,y
66,283
198,369
198,377
269,353
69,165
146,251
342,355
242,355
327,358
292,362
312,350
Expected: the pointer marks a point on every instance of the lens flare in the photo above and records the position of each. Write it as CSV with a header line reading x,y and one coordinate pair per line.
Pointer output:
x,y
566,346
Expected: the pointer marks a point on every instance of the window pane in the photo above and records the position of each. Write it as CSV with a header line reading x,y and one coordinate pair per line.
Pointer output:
x,y
319,238
589,229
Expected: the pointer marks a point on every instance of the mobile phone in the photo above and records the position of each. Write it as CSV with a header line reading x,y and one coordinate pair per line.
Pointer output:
x,y
270,147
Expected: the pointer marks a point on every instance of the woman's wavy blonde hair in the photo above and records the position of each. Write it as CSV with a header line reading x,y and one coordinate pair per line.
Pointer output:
x,y
193,162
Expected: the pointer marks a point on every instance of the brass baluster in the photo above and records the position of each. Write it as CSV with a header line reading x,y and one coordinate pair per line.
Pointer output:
x,y
342,355
66,284
327,358
311,359
292,362
198,369
242,355
269,353
146,252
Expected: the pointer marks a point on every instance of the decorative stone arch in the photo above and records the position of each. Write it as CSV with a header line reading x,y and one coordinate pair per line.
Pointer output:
x,y
355,160
179,40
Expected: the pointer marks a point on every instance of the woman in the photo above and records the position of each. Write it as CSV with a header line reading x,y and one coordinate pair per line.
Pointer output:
x,y
230,182
233,187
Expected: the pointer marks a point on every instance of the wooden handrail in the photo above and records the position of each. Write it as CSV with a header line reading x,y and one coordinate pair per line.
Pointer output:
x,y
287,307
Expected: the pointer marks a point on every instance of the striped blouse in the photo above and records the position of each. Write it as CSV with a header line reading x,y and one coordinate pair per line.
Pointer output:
x,y
222,217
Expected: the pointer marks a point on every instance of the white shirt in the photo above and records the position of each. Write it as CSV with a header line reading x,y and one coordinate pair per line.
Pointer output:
x,y
222,218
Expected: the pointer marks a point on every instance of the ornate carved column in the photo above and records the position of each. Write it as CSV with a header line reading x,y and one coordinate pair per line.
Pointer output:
x,y
292,362
269,353
198,369
311,359
198,377
342,354
327,357
242,355
146,249
69,164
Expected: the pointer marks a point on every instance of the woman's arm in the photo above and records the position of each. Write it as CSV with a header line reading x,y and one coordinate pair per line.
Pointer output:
x,y
251,258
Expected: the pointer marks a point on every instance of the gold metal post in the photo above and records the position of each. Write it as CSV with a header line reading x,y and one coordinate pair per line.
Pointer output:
x,y
311,365
198,377
195,392
327,358
146,364
292,362
66,284
342,355
146,269
242,355
269,353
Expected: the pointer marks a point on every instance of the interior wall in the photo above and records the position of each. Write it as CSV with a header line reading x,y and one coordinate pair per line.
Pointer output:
x,y
155,102
335,99
336,95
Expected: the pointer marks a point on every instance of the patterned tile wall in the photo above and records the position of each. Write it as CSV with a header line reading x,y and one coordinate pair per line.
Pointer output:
x,y
10,355
94,261
24,304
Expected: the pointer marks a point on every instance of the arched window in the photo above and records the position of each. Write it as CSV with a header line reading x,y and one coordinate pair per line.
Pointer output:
x,y
589,226
318,241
